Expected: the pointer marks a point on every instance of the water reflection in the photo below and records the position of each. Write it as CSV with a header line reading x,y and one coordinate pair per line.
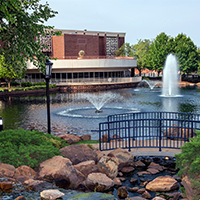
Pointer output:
x,y
30,112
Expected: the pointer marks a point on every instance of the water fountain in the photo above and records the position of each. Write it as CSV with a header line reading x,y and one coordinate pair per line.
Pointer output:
x,y
170,77
150,85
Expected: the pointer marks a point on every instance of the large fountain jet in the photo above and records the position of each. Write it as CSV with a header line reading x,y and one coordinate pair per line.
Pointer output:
x,y
170,77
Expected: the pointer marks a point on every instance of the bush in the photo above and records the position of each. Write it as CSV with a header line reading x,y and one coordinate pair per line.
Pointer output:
x,y
18,89
26,84
23,147
14,83
52,86
188,162
39,83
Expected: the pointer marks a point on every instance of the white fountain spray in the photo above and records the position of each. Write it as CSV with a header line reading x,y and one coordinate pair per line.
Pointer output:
x,y
170,77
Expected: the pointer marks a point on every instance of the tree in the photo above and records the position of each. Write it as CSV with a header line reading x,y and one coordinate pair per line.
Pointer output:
x,y
158,51
140,51
21,24
186,53
8,73
125,50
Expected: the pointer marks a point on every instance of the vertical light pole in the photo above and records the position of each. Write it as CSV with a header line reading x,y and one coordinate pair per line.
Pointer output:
x,y
48,65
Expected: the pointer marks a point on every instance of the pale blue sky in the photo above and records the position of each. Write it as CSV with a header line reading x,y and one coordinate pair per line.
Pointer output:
x,y
139,19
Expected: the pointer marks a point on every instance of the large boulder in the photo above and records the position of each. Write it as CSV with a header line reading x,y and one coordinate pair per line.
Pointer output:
x,y
109,166
36,185
70,138
125,158
87,167
61,171
7,170
25,171
98,182
79,153
162,184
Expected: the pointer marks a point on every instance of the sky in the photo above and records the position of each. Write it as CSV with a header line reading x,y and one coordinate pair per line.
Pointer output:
x,y
139,19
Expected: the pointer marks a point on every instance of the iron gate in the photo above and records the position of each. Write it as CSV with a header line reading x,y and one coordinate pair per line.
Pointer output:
x,y
148,130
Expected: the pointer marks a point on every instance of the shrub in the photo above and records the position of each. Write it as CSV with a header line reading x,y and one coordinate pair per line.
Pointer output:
x,y
52,86
18,89
188,161
14,83
26,84
23,147
39,83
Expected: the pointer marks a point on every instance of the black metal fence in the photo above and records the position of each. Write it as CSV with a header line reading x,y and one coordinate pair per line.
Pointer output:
x,y
148,130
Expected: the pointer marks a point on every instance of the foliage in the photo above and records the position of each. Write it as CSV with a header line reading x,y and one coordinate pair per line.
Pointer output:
x,y
88,142
186,53
7,72
188,161
14,83
26,84
22,23
158,51
39,83
141,49
22,147
125,50
196,188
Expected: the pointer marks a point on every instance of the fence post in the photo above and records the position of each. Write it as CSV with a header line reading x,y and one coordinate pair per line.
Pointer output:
x,y
100,136
160,131
129,137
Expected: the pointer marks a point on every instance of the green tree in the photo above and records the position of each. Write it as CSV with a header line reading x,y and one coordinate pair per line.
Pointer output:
x,y
158,51
21,24
7,72
186,53
125,50
141,49
198,51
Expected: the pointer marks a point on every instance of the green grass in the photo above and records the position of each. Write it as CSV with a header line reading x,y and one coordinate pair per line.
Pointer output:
x,y
87,142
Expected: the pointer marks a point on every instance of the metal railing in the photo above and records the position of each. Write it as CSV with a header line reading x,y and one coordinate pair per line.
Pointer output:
x,y
148,130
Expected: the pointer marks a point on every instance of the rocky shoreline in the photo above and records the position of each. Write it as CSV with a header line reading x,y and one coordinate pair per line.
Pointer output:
x,y
85,173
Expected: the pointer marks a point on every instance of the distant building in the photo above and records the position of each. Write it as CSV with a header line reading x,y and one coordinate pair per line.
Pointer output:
x,y
97,64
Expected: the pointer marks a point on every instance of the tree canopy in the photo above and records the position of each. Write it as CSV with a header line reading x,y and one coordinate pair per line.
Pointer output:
x,y
21,24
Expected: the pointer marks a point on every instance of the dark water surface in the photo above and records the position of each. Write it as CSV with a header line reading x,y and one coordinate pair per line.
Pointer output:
x,y
73,113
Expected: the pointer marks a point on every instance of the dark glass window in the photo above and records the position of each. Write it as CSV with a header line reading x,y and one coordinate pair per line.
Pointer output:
x,y
75,75
63,75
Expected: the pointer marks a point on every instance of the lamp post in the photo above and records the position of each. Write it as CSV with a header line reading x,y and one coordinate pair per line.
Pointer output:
x,y
48,65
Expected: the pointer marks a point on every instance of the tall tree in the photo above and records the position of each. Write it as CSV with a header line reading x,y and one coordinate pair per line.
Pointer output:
x,y
125,50
141,49
21,24
158,51
186,53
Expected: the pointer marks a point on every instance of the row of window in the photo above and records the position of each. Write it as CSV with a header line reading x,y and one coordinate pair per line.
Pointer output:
x,y
79,75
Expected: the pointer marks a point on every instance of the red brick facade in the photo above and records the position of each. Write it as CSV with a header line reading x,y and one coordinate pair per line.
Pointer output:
x,y
69,45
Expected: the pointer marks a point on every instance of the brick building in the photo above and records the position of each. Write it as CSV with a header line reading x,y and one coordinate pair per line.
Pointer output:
x,y
98,62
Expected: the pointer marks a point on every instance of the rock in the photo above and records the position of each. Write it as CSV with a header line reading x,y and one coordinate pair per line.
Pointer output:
x,y
127,169
142,173
120,174
6,186
125,158
98,182
153,171
158,198
122,192
25,171
61,171
122,179
104,138
7,170
86,167
51,194
21,179
174,195
85,137
139,164
37,184
140,191
188,188
134,189
79,153
177,178
109,166
20,198
117,182
70,138
162,184
135,198
134,181
146,195
155,166
100,154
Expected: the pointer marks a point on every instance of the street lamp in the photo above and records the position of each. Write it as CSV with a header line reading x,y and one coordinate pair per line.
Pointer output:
x,y
48,65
